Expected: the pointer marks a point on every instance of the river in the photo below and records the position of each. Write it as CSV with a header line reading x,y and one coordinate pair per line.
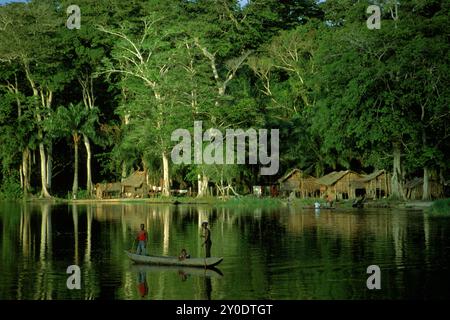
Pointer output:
x,y
269,253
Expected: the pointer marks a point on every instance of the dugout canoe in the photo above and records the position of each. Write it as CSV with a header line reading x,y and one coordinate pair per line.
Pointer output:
x,y
174,261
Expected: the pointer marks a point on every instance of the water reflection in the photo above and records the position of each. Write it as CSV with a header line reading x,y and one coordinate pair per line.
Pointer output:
x,y
282,253
142,284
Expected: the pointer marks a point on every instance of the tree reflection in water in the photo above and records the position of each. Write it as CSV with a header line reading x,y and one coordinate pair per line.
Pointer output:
x,y
269,253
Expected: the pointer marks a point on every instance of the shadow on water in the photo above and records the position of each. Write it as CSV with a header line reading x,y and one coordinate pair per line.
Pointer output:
x,y
187,271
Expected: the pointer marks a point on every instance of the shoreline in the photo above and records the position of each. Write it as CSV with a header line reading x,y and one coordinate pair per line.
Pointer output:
x,y
241,201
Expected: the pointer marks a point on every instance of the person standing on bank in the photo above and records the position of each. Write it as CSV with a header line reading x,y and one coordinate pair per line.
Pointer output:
x,y
142,241
206,233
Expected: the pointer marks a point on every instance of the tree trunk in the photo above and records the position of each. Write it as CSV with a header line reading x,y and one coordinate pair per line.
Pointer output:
x,y
87,85
166,181
426,172
87,144
76,140
21,176
49,166
25,169
396,183
44,192
426,195
202,185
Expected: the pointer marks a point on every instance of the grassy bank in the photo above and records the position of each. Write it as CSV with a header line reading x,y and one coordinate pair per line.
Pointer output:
x,y
250,201
439,208
156,200
436,208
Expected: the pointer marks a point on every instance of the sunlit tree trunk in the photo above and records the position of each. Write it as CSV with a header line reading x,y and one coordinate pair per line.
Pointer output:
x,y
426,195
25,171
45,101
87,144
166,181
44,192
49,167
86,82
203,181
396,181
76,140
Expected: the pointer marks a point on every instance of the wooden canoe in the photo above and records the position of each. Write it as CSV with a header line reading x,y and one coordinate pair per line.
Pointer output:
x,y
174,261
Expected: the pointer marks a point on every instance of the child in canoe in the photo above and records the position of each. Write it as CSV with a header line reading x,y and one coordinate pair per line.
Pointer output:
x,y
184,255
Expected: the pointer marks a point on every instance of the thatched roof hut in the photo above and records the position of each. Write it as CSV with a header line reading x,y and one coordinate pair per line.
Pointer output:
x,y
341,185
135,185
108,190
299,182
135,180
377,184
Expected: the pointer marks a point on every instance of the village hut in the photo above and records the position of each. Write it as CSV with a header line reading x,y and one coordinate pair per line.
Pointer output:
x,y
299,182
135,185
341,185
414,189
376,184
108,190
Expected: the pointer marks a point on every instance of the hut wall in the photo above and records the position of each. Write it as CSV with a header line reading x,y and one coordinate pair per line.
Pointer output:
x,y
309,187
377,187
345,187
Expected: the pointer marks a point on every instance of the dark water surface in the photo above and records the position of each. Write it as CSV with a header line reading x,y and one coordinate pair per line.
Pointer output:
x,y
281,253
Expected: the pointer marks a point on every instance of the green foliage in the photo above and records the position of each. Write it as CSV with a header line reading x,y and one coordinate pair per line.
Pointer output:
x,y
10,188
81,195
439,208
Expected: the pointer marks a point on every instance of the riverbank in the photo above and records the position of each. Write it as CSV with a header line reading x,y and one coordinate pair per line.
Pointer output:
x,y
251,201
439,208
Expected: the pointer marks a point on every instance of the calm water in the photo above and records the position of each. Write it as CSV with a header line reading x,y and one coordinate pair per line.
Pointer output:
x,y
281,253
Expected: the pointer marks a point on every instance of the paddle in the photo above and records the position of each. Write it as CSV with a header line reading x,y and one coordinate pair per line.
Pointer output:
x,y
132,247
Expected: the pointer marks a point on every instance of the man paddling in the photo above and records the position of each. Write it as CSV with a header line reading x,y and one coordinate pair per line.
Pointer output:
x,y
207,235
142,240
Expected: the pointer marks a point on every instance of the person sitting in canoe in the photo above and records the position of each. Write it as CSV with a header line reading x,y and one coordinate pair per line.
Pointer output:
x,y
207,235
142,240
183,255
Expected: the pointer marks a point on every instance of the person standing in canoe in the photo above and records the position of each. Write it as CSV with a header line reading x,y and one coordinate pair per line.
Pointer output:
x,y
207,235
142,240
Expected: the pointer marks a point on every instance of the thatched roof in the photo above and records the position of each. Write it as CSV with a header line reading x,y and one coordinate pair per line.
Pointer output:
x,y
373,175
135,180
333,177
113,187
290,173
109,187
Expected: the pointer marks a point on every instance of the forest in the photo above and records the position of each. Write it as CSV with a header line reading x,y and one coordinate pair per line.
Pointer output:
x,y
91,104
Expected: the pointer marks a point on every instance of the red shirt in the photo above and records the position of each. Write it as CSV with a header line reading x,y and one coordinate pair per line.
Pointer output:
x,y
142,236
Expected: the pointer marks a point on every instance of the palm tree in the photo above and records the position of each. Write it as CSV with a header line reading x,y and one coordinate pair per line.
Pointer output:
x,y
76,121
